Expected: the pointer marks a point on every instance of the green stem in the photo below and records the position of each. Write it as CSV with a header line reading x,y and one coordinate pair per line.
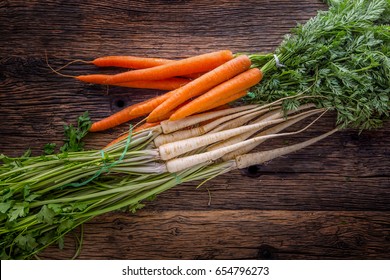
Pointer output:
x,y
89,196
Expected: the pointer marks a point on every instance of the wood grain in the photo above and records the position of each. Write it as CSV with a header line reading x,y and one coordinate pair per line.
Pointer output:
x,y
232,234
330,200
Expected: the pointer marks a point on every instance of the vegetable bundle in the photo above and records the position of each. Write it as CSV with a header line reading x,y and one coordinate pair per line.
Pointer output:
x,y
339,60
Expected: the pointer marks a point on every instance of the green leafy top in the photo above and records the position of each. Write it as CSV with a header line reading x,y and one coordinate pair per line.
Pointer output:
x,y
340,57
74,135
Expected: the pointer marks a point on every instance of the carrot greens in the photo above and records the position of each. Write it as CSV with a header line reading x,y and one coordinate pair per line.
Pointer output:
x,y
341,58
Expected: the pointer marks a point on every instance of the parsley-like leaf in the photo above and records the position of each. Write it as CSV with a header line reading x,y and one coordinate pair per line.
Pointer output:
x,y
49,148
18,210
65,226
26,242
46,215
5,206
74,135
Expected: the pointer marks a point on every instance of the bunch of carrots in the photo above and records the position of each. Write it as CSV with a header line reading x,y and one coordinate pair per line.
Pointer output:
x,y
196,84
187,138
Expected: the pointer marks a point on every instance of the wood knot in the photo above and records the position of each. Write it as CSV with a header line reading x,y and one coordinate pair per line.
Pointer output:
x,y
267,252
118,224
253,171
342,245
118,103
175,231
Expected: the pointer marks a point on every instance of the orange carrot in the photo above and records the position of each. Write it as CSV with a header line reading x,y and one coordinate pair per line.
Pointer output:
x,y
129,113
166,84
195,64
163,117
169,114
223,103
237,84
93,78
144,108
202,84
125,135
133,62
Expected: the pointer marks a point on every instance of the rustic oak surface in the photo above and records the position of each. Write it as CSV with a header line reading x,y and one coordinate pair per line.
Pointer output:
x,y
328,201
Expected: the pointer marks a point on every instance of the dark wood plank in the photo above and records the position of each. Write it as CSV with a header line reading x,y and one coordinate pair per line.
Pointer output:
x,y
230,234
346,175
90,28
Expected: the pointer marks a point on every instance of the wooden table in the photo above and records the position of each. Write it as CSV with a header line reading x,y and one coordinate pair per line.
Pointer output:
x,y
328,201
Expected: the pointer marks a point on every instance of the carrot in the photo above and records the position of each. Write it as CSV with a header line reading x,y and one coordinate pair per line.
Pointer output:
x,y
223,103
202,84
235,85
93,78
195,64
144,108
129,113
167,115
133,62
125,135
166,84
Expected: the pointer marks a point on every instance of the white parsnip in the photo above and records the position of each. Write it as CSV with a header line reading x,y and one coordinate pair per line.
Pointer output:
x,y
172,126
175,149
246,160
238,121
275,114
272,130
200,130
178,164
179,135
272,115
